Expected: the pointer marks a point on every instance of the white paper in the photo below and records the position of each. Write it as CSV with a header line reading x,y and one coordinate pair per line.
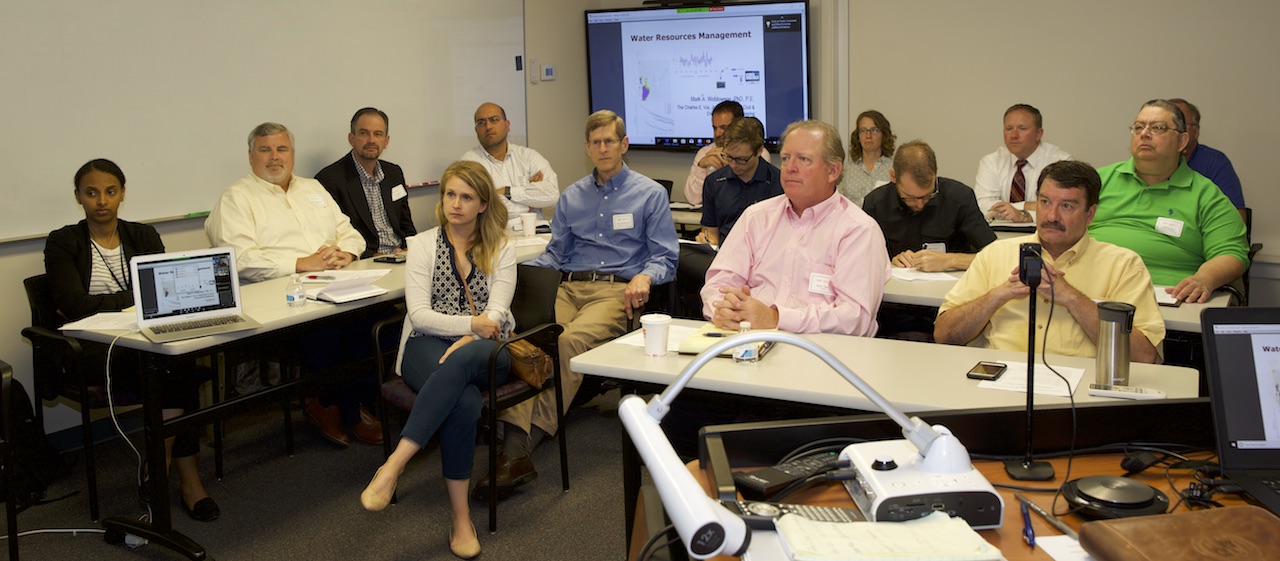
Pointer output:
x,y
522,241
936,536
675,334
1062,548
102,321
911,274
1163,296
1014,379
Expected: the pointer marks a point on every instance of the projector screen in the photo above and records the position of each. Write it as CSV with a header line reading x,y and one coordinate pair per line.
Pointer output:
x,y
664,69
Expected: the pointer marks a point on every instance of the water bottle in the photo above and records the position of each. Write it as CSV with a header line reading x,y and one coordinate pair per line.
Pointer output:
x,y
294,293
747,352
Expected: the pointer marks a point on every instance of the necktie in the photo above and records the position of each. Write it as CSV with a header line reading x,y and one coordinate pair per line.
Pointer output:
x,y
1018,191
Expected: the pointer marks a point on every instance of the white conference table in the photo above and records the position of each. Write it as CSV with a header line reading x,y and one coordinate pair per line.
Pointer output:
x,y
1185,318
916,377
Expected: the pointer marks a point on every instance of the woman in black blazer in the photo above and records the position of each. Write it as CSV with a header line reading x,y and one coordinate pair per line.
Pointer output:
x,y
87,264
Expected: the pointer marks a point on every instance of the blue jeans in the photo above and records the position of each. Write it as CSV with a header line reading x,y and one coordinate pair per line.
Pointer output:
x,y
448,396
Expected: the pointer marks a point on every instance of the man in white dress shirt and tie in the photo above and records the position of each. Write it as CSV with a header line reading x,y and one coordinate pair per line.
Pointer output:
x,y
1006,183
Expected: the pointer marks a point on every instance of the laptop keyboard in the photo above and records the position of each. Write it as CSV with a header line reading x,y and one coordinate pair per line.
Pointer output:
x,y
1272,483
196,324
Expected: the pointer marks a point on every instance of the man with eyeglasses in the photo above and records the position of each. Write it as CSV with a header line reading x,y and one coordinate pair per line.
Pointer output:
x,y
711,157
1188,233
612,238
1005,185
988,306
1207,161
930,223
521,175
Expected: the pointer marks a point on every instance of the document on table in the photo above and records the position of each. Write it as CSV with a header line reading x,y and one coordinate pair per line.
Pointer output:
x,y
105,321
344,275
1163,297
530,241
1014,379
1062,548
675,334
912,274
934,537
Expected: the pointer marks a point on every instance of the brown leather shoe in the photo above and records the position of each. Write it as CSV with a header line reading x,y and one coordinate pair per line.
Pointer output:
x,y
512,473
369,429
328,420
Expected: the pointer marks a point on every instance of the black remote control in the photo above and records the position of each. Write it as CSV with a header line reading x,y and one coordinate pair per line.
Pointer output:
x,y
764,482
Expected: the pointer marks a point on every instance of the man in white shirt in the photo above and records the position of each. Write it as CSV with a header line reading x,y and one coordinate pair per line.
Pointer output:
x,y
711,157
259,214
523,177
1006,183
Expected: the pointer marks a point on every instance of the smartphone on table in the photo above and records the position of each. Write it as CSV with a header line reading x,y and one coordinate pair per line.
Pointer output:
x,y
987,370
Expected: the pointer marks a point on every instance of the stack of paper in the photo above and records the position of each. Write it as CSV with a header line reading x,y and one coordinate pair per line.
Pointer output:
x,y
935,537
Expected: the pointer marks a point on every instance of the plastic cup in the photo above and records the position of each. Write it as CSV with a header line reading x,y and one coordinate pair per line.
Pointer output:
x,y
529,224
656,327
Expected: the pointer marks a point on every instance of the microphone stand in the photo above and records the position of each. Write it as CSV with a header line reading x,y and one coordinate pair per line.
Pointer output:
x,y
1027,469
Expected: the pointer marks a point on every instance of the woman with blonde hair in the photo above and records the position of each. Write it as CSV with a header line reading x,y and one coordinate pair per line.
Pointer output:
x,y
459,281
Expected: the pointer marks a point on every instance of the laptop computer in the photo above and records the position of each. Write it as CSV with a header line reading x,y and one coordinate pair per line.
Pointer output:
x,y
188,294
1242,348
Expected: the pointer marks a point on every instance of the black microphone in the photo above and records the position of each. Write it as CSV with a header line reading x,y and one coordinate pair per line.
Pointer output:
x,y
1029,264
1027,469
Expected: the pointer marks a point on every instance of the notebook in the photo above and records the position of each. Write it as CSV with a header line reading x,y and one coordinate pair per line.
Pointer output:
x,y
188,294
1242,361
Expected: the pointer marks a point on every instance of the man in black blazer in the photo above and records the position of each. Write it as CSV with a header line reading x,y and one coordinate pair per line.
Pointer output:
x,y
371,193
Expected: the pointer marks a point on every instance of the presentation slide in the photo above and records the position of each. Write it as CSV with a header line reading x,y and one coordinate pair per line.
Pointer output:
x,y
677,71
1266,357
184,287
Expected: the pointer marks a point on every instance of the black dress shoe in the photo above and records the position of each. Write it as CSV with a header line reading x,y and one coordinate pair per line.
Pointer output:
x,y
512,472
205,510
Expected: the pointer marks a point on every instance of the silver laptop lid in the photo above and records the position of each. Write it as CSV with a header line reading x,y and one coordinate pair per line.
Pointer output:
x,y
184,286
1242,348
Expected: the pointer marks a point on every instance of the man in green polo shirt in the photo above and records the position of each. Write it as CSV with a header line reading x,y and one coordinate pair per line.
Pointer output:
x,y
1188,233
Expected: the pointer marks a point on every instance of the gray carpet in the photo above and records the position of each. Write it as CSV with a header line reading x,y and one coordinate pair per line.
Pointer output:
x,y
306,507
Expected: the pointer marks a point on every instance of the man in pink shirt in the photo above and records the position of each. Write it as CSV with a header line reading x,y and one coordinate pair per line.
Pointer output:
x,y
809,261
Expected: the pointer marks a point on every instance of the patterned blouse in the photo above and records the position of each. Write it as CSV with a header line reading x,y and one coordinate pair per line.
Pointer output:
x,y
447,295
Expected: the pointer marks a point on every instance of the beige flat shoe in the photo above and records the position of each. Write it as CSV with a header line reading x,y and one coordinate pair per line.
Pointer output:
x,y
372,501
469,549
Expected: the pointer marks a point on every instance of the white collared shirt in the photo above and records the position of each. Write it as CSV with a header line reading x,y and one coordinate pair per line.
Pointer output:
x,y
520,164
995,173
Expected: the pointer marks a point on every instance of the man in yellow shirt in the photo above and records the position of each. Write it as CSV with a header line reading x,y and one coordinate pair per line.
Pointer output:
x,y
988,304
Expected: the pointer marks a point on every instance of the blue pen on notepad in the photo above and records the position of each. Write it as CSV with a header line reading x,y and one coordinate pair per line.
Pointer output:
x,y
1028,534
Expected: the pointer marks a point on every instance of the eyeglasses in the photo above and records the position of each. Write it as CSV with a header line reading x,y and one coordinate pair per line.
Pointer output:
x,y
740,161
606,142
1156,129
872,130
492,120
925,199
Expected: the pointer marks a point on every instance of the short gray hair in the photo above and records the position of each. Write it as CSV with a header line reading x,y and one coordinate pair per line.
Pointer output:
x,y
1179,121
269,129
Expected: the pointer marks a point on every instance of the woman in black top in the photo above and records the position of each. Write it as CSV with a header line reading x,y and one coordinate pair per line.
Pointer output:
x,y
88,270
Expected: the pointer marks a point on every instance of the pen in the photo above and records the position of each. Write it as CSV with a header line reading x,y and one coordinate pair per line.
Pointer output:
x,y
321,277
1028,534
1051,519
713,334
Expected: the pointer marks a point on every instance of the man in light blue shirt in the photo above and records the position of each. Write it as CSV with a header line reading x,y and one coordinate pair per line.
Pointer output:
x,y
612,238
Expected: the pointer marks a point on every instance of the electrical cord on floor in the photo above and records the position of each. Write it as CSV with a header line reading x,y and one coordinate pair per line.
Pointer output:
x,y
115,421
651,546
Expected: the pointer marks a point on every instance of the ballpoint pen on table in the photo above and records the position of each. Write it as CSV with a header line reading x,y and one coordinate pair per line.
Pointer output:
x,y
320,277
1051,519
1028,534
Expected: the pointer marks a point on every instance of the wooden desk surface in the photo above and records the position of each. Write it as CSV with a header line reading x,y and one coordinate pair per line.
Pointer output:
x,y
1009,536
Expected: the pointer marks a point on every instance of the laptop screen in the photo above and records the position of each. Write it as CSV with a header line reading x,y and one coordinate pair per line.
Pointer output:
x,y
1243,363
182,285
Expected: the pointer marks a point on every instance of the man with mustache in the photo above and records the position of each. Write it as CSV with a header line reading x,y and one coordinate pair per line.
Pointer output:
x,y
371,191
522,176
988,306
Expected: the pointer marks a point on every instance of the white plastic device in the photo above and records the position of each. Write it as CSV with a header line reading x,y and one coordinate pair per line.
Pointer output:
x,y
1124,392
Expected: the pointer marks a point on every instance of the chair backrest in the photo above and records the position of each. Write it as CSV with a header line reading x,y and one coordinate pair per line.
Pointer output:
x,y
668,184
43,311
535,300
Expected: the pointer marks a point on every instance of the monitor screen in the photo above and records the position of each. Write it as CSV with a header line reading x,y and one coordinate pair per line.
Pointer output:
x,y
664,69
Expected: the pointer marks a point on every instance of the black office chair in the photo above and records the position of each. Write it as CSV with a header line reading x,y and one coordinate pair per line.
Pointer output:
x,y
7,453
534,307
1239,288
668,185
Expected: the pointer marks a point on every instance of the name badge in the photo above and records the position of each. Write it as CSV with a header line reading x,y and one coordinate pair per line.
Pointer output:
x,y
398,193
317,201
820,284
940,247
1169,226
623,221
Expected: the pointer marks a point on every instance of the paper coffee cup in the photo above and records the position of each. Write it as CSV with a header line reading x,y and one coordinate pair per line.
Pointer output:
x,y
529,224
656,327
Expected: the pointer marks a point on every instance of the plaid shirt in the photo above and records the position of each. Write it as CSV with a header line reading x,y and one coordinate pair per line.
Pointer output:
x,y
388,240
